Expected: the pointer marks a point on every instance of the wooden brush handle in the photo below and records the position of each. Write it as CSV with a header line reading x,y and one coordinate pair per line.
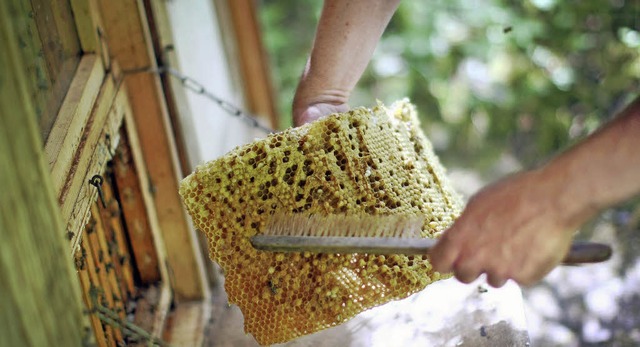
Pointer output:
x,y
582,252
342,244
579,253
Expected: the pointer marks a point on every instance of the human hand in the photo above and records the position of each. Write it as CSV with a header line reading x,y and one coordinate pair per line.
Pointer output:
x,y
514,229
314,100
347,34
309,113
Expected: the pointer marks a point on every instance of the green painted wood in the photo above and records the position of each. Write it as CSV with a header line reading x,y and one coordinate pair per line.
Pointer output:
x,y
40,301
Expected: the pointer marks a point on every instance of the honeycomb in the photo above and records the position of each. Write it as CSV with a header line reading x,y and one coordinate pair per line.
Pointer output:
x,y
373,161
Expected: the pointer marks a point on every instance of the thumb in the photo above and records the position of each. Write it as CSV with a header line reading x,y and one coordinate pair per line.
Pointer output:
x,y
309,115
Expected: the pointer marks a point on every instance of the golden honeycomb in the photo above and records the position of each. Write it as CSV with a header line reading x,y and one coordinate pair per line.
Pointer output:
x,y
366,161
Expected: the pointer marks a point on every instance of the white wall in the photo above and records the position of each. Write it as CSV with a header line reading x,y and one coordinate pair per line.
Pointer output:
x,y
209,131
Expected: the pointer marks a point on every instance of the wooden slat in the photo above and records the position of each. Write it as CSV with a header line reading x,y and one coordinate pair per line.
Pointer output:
x,y
88,22
186,324
163,308
135,213
90,158
117,241
253,60
123,107
119,293
96,294
90,30
68,130
107,282
38,83
176,96
88,281
166,292
60,52
35,269
179,111
128,40
57,32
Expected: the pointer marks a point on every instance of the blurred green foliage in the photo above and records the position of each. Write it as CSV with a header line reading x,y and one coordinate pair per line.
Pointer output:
x,y
488,76
496,79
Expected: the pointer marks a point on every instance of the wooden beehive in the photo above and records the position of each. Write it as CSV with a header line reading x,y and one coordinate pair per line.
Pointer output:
x,y
112,225
116,258
82,100
114,184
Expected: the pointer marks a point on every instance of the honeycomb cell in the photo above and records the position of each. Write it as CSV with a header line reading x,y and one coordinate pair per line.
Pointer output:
x,y
366,161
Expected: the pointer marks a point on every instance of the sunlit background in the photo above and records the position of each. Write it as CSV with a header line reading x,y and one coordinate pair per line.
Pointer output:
x,y
501,86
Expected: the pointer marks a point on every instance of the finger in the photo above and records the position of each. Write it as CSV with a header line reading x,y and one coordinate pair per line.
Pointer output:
x,y
467,269
467,275
309,115
498,270
496,279
533,269
444,254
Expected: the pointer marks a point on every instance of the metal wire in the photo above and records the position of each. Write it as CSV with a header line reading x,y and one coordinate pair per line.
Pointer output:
x,y
113,319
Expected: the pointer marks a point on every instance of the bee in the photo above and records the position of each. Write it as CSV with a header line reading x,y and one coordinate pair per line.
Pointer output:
x,y
79,261
273,287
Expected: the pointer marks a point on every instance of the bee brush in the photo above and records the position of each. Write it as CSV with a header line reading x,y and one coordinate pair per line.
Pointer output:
x,y
391,234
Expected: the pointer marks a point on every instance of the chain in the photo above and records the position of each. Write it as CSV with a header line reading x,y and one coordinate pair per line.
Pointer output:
x,y
197,87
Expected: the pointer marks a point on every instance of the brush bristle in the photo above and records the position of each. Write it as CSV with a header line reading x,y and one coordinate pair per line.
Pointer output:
x,y
396,226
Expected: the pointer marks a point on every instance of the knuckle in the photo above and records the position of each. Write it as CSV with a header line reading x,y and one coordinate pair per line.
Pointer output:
x,y
501,272
496,281
439,263
465,278
466,271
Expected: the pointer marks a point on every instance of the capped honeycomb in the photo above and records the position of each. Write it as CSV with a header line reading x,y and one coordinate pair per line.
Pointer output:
x,y
366,161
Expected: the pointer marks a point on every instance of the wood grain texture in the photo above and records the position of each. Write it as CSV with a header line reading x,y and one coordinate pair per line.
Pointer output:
x,y
254,67
135,212
176,97
35,267
82,265
30,46
68,130
116,238
60,51
128,39
104,231
88,23
90,158
104,285
186,325
137,160
58,33
104,333
179,111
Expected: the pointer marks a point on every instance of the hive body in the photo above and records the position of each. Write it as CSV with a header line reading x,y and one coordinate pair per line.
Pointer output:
x,y
362,162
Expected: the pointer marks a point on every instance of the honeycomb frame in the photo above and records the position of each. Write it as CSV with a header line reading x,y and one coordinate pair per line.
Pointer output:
x,y
366,161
